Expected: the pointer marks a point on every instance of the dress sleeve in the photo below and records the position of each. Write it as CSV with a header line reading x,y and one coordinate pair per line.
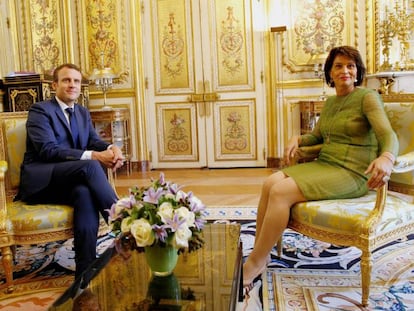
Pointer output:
x,y
312,138
373,108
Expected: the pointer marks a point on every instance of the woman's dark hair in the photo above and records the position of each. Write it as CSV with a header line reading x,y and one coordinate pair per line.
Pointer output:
x,y
57,69
347,51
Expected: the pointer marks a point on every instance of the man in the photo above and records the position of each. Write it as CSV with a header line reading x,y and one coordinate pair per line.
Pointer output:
x,y
64,162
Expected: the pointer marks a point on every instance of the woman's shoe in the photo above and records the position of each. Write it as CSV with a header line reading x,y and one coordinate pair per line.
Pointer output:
x,y
247,288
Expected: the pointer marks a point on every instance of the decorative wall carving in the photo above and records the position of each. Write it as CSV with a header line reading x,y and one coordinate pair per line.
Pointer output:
x,y
102,27
316,27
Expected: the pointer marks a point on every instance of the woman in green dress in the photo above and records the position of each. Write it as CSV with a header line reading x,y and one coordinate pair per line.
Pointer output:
x,y
359,147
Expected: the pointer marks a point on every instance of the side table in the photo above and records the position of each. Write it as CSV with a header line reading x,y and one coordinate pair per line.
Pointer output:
x,y
113,126
309,114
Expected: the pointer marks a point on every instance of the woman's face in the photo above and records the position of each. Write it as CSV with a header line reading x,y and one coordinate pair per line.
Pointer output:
x,y
343,72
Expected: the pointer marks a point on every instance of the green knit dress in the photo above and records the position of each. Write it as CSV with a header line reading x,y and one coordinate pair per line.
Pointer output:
x,y
353,130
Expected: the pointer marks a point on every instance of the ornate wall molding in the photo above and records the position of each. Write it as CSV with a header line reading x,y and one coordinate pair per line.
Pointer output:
x,y
315,27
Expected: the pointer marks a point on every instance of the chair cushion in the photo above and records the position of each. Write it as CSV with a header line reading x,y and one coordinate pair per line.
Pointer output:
x,y
15,136
44,217
402,120
346,215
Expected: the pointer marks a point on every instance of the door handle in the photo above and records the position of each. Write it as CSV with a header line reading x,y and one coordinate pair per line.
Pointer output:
x,y
203,102
196,98
211,97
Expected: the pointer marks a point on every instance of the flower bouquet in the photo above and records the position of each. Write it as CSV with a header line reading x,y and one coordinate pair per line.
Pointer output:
x,y
158,215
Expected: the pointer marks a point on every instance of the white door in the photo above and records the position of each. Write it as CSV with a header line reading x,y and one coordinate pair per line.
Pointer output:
x,y
205,95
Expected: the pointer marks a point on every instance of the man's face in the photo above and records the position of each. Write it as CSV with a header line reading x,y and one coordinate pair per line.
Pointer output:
x,y
68,85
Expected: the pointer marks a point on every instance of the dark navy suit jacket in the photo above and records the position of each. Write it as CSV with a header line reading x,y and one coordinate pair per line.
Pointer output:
x,y
49,141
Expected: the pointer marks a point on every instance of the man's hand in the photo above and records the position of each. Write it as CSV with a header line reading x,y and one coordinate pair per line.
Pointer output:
x,y
110,158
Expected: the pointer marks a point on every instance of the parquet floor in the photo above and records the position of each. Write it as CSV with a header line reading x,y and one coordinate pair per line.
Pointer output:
x,y
215,187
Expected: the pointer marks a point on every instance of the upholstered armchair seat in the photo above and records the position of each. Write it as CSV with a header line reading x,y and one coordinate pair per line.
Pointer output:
x,y
349,216
39,218
377,218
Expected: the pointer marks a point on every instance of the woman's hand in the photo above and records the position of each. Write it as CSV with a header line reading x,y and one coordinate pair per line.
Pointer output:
x,y
380,170
291,148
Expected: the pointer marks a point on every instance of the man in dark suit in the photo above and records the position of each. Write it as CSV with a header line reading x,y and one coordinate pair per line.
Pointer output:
x,y
65,159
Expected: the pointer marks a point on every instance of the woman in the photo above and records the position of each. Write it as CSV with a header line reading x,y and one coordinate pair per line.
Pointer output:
x,y
358,152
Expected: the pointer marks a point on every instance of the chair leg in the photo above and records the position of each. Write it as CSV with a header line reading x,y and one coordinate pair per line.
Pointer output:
x,y
366,267
279,247
8,267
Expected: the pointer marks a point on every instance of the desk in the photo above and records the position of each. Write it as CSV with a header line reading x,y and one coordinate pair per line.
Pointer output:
x,y
209,277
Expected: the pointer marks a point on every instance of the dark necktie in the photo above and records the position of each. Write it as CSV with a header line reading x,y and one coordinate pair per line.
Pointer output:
x,y
73,127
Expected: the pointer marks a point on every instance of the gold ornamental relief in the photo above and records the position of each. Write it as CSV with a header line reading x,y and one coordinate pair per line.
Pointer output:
x,y
314,27
231,40
46,34
177,133
235,130
102,29
177,130
172,44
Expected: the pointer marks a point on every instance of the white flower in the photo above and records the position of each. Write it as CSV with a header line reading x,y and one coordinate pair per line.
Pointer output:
x,y
188,216
169,195
142,232
165,211
182,235
126,225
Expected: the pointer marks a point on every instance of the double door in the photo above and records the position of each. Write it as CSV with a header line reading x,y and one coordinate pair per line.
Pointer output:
x,y
205,91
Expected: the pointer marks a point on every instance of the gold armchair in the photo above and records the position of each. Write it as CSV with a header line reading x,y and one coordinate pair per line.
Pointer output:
x,y
20,223
373,220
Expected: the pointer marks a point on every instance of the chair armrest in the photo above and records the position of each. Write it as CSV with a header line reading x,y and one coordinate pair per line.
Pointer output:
x,y
3,167
404,163
111,178
3,206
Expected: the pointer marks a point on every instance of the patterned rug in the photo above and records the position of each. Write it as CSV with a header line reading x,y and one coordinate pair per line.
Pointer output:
x,y
311,275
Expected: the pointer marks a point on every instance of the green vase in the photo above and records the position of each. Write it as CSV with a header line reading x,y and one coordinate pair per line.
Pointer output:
x,y
164,292
161,259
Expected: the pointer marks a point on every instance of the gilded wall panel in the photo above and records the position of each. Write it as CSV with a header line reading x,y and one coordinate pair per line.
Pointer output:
x,y
231,43
236,130
172,38
45,34
177,132
104,31
314,27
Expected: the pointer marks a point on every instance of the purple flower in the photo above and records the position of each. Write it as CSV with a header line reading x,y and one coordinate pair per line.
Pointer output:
x,y
174,188
174,223
160,232
152,195
199,223
162,178
196,205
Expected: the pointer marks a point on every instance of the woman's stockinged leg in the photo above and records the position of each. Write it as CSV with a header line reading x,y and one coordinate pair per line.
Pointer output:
x,y
264,198
282,195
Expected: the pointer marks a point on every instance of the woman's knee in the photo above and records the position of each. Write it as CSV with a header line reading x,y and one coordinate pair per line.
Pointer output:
x,y
273,180
286,192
